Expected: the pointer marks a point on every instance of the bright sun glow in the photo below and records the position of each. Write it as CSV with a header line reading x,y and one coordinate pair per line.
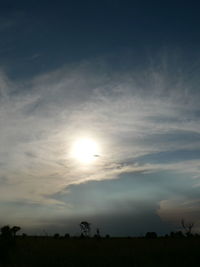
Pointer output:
x,y
85,150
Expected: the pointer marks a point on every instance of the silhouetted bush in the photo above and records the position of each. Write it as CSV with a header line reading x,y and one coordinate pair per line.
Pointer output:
x,y
97,235
56,236
24,235
178,234
67,236
107,236
197,235
151,235
189,235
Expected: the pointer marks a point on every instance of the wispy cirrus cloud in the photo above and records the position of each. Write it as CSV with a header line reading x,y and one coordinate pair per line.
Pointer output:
x,y
133,116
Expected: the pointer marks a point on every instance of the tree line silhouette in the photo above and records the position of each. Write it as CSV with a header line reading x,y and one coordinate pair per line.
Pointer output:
x,y
8,236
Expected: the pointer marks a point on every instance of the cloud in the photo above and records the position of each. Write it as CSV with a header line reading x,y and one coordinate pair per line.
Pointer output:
x,y
181,207
114,223
133,116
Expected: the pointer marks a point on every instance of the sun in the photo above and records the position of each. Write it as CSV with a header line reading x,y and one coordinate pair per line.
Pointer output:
x,y
85,150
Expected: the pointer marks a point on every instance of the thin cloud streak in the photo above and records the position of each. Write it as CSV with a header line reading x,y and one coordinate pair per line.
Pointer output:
x,y
38,126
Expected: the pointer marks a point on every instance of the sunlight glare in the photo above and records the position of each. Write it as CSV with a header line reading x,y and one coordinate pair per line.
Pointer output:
x,y
85,150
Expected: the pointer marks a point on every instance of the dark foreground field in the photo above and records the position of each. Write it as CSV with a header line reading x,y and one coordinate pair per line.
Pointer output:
x,y
104,252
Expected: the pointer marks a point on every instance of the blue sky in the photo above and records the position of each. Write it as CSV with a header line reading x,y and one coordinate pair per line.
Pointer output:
x,y
123,73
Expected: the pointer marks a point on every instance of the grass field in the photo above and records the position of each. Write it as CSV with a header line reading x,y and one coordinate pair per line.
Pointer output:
x,y
47,251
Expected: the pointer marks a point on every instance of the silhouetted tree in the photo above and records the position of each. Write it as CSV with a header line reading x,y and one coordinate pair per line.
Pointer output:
x,y
98,232
6,233
85,229
15,229
187,227
151,235
178,234
97,235
7,243
67,236
197,235
56,236
24,235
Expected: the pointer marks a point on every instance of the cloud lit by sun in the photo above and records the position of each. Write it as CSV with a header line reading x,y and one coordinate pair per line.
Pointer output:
x,y
85,150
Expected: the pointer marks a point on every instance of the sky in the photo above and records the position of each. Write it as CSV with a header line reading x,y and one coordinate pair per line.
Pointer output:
x,y
121,74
